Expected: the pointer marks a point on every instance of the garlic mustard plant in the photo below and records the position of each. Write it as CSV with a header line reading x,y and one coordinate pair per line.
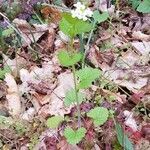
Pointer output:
x,y
81,12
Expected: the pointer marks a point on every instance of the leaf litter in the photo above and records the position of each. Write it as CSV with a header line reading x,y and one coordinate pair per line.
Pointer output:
x,y
36,85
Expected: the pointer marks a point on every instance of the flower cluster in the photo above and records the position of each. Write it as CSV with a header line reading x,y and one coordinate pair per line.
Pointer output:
x,y
81,12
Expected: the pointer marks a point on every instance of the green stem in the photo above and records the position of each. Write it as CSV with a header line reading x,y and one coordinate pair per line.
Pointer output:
x,y
76,96
39,18
87,45
75,86
81,43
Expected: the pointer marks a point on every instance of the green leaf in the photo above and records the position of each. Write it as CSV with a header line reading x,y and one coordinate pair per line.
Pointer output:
x,y
144,6
3,71
58,2
67,59
73,26
99,115
74,137
135,3
123,139
7,32
87,76
100,17
54,121
70,97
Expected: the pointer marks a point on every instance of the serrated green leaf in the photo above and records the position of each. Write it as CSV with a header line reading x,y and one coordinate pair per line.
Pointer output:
x,y
99,115
123,139
135,3
144,6
3,71
74,137
73,26
68,59
87,76
100,17
7,32
53,122
70,97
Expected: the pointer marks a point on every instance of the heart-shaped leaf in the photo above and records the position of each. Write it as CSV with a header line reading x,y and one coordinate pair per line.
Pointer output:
x,y
99,115
73,26
87,76
68,59
144,6
70,97
53,122
74,137
100,17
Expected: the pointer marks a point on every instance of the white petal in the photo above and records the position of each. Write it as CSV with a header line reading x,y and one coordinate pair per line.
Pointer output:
x,y
85,18
88,12
78,4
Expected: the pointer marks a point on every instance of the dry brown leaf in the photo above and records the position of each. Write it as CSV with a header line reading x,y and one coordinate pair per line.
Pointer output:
x,y
133,79
98,58
59,44
13,97
63,145
37,76
28,114
42,99
28,33
143,145
48,137
138,35
47,42
56,105
51,13
128,59
143,48
14,64
137,23
104,5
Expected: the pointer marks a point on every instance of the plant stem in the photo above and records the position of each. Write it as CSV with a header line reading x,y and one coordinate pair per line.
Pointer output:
x,y
87,45
76,96
81,43
75,86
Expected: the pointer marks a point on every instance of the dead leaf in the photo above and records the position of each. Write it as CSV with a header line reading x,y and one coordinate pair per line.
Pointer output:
x,y
51,13
138,23
128,59
63,145
97,57
29,114
130,121
131,78
42,99
104,5
59,44
143,145
13,97
56,105
39,79
146,131
47,141
138,35
14,64
28,33
144,49
47,42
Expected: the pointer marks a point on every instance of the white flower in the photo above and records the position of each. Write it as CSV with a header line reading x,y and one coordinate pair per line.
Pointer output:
x,y
81,12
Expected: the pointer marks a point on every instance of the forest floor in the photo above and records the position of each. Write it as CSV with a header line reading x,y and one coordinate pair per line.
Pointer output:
x,y
51,100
